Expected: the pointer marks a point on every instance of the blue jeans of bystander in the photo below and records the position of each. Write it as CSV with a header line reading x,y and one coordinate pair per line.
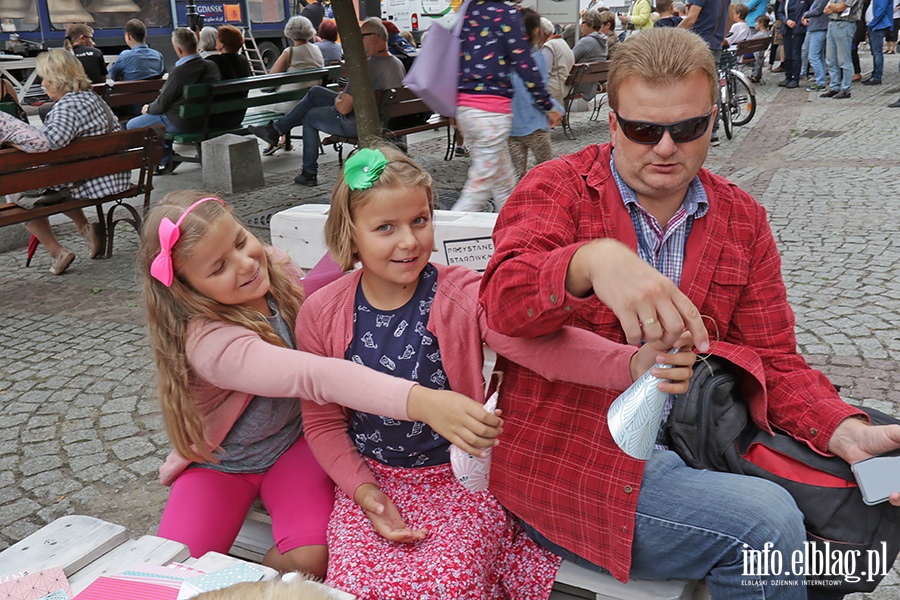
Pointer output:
x,y
816,41
148,120
840,64
316,112
876,44
678,535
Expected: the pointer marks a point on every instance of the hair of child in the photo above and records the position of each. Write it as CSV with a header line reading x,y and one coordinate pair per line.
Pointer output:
x,y
401,172
531,19
170,310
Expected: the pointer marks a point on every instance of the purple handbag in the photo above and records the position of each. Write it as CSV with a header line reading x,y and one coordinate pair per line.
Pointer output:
x,y
434,74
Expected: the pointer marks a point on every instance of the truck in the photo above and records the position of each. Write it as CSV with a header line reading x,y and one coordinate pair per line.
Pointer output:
x,y
28,27
417,16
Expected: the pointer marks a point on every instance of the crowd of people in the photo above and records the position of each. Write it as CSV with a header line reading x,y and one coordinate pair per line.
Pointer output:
x,y
271,393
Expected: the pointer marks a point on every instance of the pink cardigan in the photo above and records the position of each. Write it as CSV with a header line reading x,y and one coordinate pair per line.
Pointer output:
x,y
458,321
231,364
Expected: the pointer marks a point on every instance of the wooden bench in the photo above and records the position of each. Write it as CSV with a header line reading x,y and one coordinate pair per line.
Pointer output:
x,y
396,103
753,45
84,158
595,73
572,581
206,100
122,95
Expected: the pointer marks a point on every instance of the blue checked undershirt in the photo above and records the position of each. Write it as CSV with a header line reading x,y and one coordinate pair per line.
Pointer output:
x,y
663,249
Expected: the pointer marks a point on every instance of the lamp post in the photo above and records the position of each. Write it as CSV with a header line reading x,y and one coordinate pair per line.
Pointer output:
x,y
194,19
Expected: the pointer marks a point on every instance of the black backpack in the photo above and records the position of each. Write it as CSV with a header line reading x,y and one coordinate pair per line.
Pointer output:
x,y
709,427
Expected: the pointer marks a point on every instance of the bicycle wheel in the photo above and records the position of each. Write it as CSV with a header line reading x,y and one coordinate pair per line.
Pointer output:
x,y
726,108
743,103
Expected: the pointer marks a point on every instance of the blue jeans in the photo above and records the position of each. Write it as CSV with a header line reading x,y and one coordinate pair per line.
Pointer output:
x,y
840,64
693,524
149,120
316,112
816,41
876,43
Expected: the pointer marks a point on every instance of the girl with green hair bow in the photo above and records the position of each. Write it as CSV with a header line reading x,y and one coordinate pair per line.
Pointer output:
x,y
403,526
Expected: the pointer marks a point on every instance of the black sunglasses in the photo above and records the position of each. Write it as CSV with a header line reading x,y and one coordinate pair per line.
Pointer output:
x,y
642,132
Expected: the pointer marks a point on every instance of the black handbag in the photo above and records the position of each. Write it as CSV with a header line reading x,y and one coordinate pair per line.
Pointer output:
x,y
709,427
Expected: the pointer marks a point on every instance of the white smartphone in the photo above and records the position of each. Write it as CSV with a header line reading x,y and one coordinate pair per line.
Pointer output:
x,y
878,477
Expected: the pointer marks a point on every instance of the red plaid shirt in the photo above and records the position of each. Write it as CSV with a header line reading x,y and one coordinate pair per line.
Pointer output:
x,y
558,467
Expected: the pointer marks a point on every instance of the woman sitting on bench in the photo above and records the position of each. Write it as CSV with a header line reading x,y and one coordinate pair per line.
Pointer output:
x,y
77,112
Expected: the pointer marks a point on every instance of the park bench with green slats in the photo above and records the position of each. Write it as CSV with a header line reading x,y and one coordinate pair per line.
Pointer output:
x,y
205,100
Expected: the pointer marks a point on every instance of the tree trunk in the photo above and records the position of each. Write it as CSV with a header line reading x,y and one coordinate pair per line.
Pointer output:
x,y
368,126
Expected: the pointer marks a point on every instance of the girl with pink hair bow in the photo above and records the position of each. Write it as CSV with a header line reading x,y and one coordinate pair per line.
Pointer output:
x,y
221,312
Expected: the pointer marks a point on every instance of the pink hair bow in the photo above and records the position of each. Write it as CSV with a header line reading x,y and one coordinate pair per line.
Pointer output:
x,y
161,268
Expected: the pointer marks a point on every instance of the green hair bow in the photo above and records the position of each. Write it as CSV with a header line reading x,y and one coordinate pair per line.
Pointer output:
x,y
364,168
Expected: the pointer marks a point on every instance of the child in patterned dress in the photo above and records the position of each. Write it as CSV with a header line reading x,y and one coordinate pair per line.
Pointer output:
x,y
221,311
402,526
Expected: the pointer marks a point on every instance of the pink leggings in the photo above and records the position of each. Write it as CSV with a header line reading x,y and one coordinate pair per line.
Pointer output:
x,y
206,508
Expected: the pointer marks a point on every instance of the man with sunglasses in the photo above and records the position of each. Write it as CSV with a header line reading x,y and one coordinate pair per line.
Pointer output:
x,y
604,239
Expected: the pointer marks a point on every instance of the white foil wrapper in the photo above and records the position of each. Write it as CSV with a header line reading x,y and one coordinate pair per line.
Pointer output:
x,y
635,416
473,472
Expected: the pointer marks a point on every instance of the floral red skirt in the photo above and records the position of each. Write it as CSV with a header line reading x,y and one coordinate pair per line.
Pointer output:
x,y
475,550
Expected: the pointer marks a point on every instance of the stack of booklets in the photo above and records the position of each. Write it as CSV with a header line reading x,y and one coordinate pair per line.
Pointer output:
x,y
148,582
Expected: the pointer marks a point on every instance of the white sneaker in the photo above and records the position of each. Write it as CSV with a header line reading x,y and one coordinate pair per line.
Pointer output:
x,y
59,264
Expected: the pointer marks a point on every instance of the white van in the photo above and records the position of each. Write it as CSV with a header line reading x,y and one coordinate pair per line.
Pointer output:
x,y
418,15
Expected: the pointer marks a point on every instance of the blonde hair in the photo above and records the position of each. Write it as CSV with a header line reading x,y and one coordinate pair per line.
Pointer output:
x,y
401,172
61,70
171,309
660,57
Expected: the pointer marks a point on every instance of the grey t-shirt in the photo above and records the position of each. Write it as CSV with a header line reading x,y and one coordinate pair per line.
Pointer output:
x,y
266,428
385,72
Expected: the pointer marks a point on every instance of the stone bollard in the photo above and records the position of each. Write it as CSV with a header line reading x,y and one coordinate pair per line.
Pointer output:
x,y
231,164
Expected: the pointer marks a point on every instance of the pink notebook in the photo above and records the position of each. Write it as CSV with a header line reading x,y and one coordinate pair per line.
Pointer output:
x,y
31,586
113,588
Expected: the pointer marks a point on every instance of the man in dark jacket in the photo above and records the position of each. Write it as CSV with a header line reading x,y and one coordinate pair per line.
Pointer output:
x,y
190,68
82,38
793,32
315,12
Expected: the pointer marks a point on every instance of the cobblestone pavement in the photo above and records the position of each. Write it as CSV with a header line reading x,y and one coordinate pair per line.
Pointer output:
x,y
80,426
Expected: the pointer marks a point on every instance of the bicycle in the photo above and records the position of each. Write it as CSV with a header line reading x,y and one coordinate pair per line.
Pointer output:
x,y
736,93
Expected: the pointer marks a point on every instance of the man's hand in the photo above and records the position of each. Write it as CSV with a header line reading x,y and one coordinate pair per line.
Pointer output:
x,y
648,304
461,420
855,440
805,21
144,109
385,517
790,23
